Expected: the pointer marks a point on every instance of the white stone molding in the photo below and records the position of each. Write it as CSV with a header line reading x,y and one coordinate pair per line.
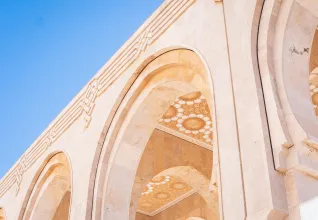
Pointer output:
x,y
184,137
170,204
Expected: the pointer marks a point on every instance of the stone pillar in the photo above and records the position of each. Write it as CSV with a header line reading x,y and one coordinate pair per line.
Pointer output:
x,y
263,186
231,191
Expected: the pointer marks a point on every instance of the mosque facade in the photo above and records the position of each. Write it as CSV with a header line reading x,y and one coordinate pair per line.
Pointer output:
x,y
208,112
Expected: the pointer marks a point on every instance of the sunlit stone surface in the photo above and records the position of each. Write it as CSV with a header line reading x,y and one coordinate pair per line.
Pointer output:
x,y
208,112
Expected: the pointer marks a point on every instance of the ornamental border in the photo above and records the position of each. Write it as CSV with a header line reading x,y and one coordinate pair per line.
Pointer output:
x,y
83,104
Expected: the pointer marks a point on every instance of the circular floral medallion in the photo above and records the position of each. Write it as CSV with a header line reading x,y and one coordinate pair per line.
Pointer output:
x,y
191,96
162,195
146,205
193,123
315,99
157,179
178,185
171,112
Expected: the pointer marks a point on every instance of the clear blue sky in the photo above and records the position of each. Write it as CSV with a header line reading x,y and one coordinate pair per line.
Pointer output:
x,y
48,52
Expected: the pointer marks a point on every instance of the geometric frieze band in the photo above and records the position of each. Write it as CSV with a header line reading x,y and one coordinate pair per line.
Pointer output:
x,y
83,104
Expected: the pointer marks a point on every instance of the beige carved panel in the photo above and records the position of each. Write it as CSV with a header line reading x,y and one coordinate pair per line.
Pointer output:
x,y
189,117
161,193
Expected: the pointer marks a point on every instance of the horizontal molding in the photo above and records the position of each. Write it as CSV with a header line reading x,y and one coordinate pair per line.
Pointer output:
x,y
168,205
184,137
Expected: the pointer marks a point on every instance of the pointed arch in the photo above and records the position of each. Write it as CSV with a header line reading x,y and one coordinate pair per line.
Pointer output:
x,y
169,75
49,195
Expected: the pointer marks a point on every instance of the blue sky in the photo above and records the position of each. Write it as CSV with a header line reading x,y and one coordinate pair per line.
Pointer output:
x,y
48,52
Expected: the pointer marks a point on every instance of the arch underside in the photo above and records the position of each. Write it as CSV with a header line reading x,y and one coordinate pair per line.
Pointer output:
x,y
155,113
174,174
51,192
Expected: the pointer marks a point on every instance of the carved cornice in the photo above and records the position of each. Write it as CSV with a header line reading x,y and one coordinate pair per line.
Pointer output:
x,y
83,104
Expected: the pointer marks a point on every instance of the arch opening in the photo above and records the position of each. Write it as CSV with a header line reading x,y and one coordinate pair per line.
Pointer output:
x,y
149,113
174,173
50,195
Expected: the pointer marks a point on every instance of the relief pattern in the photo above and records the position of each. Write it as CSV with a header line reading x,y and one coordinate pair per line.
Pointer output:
x,y
189,115
83,104
162,192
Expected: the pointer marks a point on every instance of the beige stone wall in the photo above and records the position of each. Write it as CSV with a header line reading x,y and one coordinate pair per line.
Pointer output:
x,y
63,209
250,59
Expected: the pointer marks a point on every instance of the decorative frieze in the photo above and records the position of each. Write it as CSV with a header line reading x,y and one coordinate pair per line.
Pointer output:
x,y
84,103
89,101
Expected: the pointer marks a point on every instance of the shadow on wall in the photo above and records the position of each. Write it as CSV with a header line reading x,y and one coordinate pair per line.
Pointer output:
x,y
2,216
